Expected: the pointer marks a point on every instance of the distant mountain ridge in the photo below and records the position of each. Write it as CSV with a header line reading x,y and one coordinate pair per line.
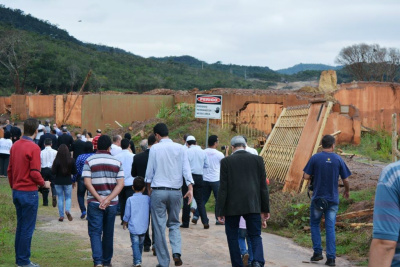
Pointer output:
x,y
304,67
238,70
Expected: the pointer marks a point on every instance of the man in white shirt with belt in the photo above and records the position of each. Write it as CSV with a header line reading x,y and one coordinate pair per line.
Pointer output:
x,y
126,158
168,163
47,156
198,161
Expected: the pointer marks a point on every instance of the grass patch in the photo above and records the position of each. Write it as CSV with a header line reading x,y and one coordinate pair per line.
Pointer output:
x,y
48,249
374,145
291,215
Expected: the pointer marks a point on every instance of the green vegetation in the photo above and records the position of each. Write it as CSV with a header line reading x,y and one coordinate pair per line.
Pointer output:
x,y
48,249
291,219
374,146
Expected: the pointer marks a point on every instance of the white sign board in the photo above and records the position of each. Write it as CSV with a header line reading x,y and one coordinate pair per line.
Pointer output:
x,y
208,107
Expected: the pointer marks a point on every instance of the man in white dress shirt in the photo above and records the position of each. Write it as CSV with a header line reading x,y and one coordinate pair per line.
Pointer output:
x,y
116,145
168,163
47,156
126,158
250,149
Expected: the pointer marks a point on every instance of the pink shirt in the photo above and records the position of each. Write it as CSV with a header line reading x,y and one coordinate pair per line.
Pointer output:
x,y
242,223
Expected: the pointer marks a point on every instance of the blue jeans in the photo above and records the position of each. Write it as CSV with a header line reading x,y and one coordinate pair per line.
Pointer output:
x,y
101,232
26,204
137,248
253,224
243,238
81,193
207,188
330,220
63,191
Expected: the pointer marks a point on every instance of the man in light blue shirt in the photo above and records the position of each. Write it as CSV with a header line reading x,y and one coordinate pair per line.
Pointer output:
x,y
126,158
168,163
198,161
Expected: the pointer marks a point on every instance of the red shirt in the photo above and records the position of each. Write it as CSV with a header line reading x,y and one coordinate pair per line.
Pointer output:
x,y
95,140
24,168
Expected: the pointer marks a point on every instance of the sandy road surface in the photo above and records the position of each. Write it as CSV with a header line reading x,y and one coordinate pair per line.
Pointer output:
x,y
200,247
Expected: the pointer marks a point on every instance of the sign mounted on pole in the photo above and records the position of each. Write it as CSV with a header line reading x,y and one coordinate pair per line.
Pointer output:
x,y
208,107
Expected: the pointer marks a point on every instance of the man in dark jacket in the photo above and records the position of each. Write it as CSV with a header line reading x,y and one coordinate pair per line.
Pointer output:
x,y
65,138
15,133
78,147
50,136
243,192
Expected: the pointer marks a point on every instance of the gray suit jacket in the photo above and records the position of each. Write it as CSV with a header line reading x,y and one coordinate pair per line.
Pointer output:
x,y
243,188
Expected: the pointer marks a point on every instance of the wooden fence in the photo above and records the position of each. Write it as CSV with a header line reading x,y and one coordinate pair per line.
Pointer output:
x,y
244,125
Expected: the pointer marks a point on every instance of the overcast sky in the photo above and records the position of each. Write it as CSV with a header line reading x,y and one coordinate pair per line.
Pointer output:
x,y
277,34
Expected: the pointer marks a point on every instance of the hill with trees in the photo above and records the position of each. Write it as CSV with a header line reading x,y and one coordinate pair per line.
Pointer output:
x,y
37,55
307,67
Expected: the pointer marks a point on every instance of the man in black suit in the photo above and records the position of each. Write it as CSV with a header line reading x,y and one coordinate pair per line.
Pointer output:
x,y
50,136
78,147
243,192
65,138
139,166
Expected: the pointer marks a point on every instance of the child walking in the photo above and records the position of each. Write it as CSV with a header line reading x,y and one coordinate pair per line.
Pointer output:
x,y
136,217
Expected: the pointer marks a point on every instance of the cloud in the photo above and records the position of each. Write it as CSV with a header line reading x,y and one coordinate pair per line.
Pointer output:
x,y
277,34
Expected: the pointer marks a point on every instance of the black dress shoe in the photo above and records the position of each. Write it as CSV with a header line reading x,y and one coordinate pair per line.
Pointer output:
x,y
177,259
206,226
146,249
154,251
184,226
256,264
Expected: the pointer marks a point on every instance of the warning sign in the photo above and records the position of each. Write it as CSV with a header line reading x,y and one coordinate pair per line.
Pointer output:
x,y
208,106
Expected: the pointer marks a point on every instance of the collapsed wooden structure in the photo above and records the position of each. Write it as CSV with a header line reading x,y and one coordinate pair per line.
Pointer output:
x,y
294,139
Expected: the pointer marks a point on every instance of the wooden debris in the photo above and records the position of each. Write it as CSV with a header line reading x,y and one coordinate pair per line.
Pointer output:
x,y
354,225
355,214
119,124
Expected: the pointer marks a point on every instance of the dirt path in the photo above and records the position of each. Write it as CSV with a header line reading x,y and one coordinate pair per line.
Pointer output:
x,y
199,247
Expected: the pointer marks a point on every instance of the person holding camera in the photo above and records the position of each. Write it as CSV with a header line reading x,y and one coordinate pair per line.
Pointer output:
x,y
325,168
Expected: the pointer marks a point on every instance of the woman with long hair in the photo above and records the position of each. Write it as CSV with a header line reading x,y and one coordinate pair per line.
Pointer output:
x,y
63,169
89,137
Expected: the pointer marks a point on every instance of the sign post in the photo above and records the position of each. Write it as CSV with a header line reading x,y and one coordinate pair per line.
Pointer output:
x,y
208,107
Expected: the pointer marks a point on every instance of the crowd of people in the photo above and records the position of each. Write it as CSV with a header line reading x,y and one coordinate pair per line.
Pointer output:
x,y
153,186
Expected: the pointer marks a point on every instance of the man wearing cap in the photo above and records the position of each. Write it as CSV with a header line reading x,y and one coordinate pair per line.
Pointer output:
x,y
198,161
96,139
167,164
243,192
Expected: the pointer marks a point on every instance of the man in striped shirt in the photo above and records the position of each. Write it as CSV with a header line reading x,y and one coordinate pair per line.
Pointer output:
x,y
104,179
385,245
